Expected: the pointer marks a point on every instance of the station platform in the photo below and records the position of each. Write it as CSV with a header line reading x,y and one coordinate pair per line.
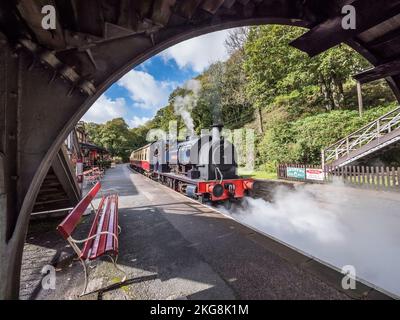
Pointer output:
x,y
173,248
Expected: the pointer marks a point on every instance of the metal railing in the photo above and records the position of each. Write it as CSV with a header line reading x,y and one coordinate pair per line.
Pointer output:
x,y
374,130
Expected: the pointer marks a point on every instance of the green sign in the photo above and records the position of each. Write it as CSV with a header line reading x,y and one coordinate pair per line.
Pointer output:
x,y
296,173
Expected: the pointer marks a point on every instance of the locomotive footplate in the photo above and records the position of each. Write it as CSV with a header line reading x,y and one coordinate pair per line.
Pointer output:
x,y
212,190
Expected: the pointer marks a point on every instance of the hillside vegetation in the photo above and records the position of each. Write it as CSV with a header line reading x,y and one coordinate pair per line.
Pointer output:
x,y
296,105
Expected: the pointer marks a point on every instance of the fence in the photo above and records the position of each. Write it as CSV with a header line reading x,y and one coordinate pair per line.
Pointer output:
x,y
363,176
384,178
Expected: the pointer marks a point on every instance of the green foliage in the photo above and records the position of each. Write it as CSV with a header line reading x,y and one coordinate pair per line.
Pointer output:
x,y
280,74
301,141
114,136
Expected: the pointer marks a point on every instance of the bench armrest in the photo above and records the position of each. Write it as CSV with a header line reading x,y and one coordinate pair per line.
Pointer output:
x,y
94,236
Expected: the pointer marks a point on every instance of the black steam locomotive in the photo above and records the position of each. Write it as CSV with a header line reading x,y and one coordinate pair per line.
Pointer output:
x,y
203,168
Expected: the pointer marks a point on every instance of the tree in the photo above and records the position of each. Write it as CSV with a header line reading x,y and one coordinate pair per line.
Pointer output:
x,y
116,137
93,131
236,39
280,74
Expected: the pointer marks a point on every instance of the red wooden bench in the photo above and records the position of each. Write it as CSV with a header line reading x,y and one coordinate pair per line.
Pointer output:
x,y
98,171
91,176
103,235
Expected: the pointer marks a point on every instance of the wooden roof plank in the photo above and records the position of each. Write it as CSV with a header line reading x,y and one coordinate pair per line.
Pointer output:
x,y
389,69
188,8
331,33
212,6
92,23
162,10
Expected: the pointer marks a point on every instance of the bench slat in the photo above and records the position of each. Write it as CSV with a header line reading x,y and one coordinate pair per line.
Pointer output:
x,y
88,244
113,226
68,225
107,243
100,227
100,249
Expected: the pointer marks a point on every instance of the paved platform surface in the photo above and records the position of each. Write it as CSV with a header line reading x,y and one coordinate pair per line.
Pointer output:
x,y
174,248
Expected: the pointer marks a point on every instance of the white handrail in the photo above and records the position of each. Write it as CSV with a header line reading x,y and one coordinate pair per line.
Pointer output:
x,y
374,130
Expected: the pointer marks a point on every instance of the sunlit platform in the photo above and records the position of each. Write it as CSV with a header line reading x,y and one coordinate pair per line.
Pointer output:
x,y
174,248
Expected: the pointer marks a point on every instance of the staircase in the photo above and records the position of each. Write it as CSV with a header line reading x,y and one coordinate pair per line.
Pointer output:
x,y
60,190
377,136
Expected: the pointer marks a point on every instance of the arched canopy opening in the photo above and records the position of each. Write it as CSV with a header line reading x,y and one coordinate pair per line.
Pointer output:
x,y
50,78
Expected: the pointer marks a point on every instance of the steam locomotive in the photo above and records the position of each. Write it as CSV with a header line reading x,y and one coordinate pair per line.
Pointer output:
x,y
203,168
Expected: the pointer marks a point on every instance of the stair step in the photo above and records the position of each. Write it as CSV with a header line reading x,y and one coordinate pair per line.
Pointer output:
x,y
56,195
51,201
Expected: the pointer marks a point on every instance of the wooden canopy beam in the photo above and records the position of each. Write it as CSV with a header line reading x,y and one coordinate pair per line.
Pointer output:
x,y
331,33
389,69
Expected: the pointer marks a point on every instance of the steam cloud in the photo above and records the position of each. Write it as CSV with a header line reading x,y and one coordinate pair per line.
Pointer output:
x,y
336,224
183,105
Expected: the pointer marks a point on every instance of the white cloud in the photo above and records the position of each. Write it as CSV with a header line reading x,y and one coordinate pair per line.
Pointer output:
x,y
145,90
200,52
105,109
138,121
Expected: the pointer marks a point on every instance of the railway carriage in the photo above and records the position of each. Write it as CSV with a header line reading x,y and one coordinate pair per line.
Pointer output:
x,y
140,159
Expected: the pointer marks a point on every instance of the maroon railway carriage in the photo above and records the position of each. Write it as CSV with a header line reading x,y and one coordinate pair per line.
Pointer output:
x,y
140,159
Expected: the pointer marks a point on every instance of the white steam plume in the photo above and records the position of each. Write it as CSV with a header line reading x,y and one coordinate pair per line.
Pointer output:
x,y
183,105
336,224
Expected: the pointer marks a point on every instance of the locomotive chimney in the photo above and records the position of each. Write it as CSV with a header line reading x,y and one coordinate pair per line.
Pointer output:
x,y
216,132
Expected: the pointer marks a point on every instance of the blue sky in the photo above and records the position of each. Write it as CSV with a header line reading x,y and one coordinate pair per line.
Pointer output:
x,y
140,93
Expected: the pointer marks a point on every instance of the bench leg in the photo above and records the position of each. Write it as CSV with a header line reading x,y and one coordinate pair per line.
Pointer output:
x,y
86,277
114,261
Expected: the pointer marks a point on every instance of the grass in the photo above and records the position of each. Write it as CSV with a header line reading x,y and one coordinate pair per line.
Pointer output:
x,y
257,174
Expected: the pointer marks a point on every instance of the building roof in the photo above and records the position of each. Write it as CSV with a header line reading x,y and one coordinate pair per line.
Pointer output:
x,y
92,146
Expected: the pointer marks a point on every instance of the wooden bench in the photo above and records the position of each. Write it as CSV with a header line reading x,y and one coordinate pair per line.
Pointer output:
x,y
91,176
103,236
98,171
